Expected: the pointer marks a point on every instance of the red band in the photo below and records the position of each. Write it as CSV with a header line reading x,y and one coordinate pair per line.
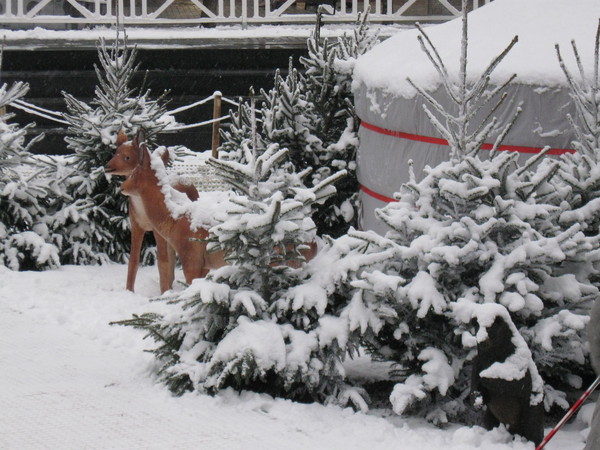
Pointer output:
x,y
377,195
440,141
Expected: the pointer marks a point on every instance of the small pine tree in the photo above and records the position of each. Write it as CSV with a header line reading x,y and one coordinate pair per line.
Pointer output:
x,y
312,115
328,75
578,185
288,119
93,131
463,131
25,240
473,232
242,326
240,130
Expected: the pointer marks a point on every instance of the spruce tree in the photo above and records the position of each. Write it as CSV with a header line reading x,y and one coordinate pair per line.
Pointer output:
x,y
310,113
473,232
328,74
25,240
578,186
243,326
93,131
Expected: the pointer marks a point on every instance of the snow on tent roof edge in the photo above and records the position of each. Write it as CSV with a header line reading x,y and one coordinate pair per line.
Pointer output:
x,y
540,24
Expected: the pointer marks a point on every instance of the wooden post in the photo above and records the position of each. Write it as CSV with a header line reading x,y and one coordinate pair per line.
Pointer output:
x,y
216,124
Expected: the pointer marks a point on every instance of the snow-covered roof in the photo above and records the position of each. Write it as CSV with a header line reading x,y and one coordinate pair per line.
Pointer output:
x,y
539,24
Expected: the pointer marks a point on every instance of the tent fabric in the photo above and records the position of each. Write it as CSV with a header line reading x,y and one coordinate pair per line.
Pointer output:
x,y
388,105
383,159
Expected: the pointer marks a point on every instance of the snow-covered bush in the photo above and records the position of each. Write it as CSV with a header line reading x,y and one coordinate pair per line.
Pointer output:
x,y
578,181
311,113
474,231
25,240
255,323
93,130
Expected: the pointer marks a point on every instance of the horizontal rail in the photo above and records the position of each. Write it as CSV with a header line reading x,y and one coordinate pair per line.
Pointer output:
x,y
74,13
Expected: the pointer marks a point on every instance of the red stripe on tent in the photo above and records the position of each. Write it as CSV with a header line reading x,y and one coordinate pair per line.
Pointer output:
x,y
440,141
377,195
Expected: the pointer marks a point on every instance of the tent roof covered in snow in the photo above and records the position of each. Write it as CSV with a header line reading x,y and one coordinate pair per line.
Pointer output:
x,y
394,127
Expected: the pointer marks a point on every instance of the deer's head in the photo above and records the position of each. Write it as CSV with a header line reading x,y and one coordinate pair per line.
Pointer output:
x,y
126,157
130,154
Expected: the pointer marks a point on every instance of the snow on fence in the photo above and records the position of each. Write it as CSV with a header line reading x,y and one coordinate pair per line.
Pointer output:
x,y
69,13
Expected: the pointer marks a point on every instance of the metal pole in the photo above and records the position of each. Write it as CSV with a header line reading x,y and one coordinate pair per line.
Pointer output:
x,y
570,413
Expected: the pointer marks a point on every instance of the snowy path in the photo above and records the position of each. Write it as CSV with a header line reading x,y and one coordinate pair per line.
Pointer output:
x,y
68,380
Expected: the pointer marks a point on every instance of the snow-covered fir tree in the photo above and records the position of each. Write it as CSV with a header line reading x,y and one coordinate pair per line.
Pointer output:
x,y
578,185
328,75
93,129
25,240
255,323
311,113
475,231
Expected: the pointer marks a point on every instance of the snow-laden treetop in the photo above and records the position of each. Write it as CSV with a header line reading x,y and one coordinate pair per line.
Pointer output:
x,y
540,24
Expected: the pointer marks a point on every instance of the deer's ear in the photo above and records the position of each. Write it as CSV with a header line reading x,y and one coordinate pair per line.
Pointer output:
x,y
121,138
144,157
140,143
141,137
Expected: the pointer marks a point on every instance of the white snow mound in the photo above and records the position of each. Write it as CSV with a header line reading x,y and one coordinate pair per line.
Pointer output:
x,y
539,24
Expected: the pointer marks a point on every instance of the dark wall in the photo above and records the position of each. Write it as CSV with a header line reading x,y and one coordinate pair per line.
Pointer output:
x,y
189,75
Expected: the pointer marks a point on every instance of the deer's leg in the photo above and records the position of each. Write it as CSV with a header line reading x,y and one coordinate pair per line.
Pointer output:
x,y
137,237
166,263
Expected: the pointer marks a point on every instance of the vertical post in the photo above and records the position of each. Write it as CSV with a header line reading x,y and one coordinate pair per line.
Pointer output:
x,y
244,14
120,15
216,124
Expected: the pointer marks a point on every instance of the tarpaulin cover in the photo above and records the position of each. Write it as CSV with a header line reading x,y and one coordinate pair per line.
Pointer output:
x,y
394,126
383,155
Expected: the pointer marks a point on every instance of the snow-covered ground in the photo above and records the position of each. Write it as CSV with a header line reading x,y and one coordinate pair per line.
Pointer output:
x,y
69,380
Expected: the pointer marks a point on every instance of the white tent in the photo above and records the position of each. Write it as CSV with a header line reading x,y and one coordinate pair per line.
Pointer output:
x,y
394,128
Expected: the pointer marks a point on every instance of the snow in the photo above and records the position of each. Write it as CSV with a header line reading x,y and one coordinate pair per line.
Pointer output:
x,y
262,339
491,28
70,380
422,293
172,37
438,372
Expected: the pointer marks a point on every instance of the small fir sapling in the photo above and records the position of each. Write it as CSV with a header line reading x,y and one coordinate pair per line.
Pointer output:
x,y
578,187
239,326
480,231
463,233
26,241
93,130
328,76
311,114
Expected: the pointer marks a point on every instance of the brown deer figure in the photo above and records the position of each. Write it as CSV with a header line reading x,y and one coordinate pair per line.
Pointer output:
x,y
149,212
129,157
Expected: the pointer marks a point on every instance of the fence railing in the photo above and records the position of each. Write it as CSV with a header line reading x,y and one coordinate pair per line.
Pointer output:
x,y
70,14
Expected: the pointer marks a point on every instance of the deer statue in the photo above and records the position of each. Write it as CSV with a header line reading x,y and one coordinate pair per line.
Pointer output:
x,y
129,157
148,211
